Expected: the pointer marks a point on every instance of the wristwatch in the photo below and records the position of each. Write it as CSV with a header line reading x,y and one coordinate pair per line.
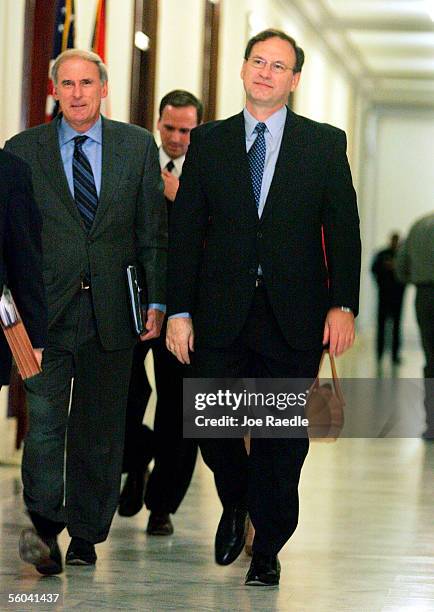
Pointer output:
x,y
346,309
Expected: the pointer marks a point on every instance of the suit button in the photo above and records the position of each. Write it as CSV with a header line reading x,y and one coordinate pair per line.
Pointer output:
x,y
252,272
259,234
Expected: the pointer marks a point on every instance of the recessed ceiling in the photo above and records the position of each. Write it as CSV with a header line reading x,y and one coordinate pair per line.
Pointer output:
x,y
394,10
391,42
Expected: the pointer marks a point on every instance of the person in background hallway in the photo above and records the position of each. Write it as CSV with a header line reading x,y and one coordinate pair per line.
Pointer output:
x,y
21,256
390,297
415,264
175,457
248,288
99,189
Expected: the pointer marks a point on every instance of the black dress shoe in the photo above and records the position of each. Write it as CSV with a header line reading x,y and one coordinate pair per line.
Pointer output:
x,y
133,493
41,551
159,524
231,534
264,570
80,552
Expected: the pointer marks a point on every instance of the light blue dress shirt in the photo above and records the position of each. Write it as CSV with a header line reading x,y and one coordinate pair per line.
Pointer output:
x,y
92,148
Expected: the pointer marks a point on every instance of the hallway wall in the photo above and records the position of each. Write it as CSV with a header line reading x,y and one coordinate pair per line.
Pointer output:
x,y
398,175
11,62
180,48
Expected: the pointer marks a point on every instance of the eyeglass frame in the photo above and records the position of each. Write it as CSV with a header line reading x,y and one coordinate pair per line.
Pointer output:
x,y
264,63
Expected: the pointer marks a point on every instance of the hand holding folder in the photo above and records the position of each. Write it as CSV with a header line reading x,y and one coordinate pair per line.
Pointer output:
x,y
138,301
17,337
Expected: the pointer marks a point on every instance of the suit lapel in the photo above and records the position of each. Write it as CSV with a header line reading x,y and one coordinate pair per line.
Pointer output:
x,y
287,160
52,166
234,147
112,168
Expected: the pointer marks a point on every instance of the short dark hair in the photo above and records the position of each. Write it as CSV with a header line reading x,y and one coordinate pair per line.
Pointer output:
x,y
180,98
271,33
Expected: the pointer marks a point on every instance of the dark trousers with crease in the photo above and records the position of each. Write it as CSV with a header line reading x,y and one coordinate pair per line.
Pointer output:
x,y
425,319
84,496
175,457
389,309
266,480
139,439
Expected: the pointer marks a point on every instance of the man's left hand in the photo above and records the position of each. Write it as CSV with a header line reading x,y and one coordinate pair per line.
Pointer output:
x,y
339,331
154,323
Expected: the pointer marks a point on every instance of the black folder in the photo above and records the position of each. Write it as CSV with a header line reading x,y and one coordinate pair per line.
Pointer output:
x,y
138,300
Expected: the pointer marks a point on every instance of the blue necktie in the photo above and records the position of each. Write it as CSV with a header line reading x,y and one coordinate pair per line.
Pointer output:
x,y
256,156
85,194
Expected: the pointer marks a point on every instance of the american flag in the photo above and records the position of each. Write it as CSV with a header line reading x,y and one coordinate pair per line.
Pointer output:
x,y
63,39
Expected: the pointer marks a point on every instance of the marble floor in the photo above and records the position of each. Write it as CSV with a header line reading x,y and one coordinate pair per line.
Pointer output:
x,y
365,541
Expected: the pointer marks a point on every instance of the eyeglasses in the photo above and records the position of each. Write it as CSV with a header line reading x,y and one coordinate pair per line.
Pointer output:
x,y
277,67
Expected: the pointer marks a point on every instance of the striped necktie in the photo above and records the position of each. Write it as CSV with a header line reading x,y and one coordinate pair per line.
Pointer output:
x,y
256,156
85,194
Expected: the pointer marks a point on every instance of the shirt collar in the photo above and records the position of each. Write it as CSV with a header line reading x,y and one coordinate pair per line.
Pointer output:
x,y
275,122
67,133
165,159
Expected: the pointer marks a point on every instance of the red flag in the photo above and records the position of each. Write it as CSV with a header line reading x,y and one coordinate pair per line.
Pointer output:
x,y
98,39
98,45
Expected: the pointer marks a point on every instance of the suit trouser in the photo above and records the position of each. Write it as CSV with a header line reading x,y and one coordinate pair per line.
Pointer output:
x,y
267,480
175,457
425,319
389,310
139,439
93,431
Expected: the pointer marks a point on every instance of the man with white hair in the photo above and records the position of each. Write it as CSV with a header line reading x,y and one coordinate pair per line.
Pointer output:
x,y
98,185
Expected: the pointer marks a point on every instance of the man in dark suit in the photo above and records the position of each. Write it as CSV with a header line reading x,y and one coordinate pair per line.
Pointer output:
x,y
98,186
249,287
175,457
21,256
390,298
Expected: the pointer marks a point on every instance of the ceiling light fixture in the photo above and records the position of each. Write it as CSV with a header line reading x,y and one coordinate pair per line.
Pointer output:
x,y
141,41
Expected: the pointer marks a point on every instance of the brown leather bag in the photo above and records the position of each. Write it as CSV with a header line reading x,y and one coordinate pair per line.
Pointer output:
x,y
325,406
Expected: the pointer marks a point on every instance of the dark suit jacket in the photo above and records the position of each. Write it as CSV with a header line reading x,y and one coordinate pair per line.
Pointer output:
x,y
217,240
130,226
20,254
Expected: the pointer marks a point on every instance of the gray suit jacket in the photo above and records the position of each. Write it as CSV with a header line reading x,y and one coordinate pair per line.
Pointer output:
x,y
130,226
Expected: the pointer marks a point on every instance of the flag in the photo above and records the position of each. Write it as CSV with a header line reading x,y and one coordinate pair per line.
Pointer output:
x,y
98,38
63,39
98,45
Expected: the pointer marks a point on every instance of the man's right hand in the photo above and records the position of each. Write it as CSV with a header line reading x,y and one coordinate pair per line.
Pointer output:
x,y
180,338
171,184
38,355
